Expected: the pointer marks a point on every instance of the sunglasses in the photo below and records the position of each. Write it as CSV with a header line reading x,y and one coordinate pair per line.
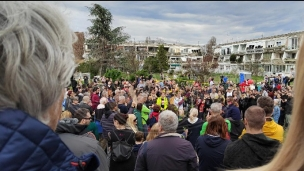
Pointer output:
x,y
87,118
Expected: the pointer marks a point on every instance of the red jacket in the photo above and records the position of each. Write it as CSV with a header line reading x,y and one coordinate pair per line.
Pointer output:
x,y
155,114
95,101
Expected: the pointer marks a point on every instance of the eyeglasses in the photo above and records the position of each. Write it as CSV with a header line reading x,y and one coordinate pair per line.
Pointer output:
x,y
87,118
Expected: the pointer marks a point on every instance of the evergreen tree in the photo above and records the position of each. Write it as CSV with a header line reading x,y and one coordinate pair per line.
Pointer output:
x,y
162,59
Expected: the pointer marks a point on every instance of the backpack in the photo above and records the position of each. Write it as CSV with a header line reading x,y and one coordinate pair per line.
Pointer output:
x,y
121,150
151,121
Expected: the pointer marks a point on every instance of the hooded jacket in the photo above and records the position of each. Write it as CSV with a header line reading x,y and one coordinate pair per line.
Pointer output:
x,y
210,150
28,144
252,150
75,137
271,130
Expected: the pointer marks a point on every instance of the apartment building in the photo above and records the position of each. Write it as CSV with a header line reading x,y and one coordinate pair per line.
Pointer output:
x,y
275,54
177,53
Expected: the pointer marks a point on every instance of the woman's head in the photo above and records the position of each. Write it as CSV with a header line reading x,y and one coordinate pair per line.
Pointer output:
x,y
37,59
120,119
66,114
132,122
154,132
156,108
217,126
193,113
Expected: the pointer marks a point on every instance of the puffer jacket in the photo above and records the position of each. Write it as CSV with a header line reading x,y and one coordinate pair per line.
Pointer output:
x,y
28,144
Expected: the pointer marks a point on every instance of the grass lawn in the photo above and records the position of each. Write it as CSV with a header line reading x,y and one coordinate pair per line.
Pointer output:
x,y
217,79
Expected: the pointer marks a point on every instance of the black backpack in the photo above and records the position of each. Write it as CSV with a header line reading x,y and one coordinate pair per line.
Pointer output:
x,y
121,150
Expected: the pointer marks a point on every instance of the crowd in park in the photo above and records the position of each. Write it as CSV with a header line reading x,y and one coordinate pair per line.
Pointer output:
x,y
47,123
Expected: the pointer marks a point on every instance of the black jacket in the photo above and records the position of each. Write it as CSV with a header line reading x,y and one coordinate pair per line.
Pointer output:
x,y
252,150
86,106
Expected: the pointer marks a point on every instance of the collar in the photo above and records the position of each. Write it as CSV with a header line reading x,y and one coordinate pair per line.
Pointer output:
x,y
162,135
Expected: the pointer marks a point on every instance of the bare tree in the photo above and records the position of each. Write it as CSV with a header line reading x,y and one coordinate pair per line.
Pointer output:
x,y
78,47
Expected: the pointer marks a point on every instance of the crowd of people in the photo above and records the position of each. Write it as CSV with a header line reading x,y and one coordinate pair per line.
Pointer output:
x,y
143,125
206,116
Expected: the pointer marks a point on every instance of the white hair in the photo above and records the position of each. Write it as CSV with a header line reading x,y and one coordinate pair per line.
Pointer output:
x,y
36,57
120,98
103,100
168,121
216,108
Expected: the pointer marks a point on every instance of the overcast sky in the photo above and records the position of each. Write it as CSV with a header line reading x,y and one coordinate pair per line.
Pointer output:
x,y
193,22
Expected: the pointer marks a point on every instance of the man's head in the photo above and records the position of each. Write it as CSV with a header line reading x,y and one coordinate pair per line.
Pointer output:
x,y
267,104
83,116
37,59
86,99
215,108
254,118
122,99
75,100
168,121
139,136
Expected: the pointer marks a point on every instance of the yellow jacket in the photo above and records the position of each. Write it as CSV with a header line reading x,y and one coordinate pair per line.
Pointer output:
x,y
158,102
271,130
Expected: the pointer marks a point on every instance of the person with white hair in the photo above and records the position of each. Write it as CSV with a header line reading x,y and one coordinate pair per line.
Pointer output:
x,y
193,126
122,105
175,153
215,109
37,62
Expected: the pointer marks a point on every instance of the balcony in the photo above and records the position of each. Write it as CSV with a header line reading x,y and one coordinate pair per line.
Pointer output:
x,y
258,50
249,51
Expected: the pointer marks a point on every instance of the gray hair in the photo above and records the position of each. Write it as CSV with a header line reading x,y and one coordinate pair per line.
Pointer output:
x,y
86,99
120,98
103,100
168,121
216,108
36,57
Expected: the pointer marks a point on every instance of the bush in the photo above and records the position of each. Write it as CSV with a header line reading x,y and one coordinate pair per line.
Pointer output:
x,y
232,58
132,77
113,73
143,72
240,60
171,72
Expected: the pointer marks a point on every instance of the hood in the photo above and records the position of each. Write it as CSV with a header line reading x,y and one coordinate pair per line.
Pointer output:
x,y
261,145
213,141
69,120
155,114
270,128
71,128
136,147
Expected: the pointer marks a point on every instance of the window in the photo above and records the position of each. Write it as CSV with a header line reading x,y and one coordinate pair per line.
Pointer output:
x,y
278,43
293,56
221,67
294,43
267,68
228,68
228,51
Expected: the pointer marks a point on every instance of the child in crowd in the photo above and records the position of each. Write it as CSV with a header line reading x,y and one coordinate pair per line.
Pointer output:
x,y
139,139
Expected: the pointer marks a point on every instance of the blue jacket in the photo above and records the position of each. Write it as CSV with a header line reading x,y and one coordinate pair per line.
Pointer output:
x,y
233,112
210,150
28,144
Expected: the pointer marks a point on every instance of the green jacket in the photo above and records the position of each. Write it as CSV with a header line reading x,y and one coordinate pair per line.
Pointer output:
x,y
204,127
145,114
93,128
139,120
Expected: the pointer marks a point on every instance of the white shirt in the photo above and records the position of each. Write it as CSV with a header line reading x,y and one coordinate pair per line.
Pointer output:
x,y
176,101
